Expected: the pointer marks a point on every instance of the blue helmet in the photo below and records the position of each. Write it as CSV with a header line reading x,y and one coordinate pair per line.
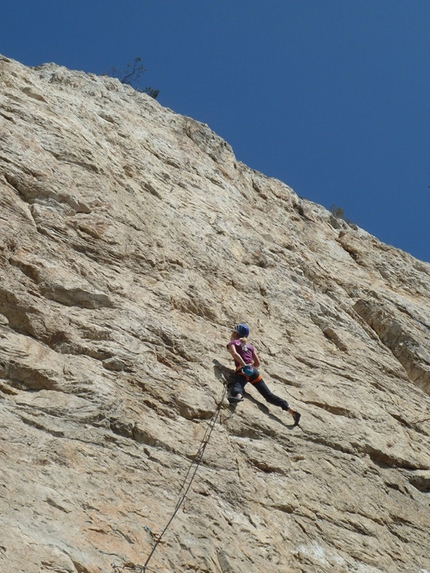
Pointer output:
x,y
242,330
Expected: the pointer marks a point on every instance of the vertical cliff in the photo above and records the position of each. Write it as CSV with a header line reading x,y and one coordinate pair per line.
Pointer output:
x,y
131,240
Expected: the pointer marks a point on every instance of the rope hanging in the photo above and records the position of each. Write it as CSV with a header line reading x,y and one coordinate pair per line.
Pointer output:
x,y
190,475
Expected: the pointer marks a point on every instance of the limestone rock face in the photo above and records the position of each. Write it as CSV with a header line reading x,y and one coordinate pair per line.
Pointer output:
x,y
131,240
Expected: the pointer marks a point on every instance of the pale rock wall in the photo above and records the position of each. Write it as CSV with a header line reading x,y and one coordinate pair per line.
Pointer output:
x,y
131,240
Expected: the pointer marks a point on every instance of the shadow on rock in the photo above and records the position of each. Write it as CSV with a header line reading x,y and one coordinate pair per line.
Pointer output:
x,y
265,410
223,373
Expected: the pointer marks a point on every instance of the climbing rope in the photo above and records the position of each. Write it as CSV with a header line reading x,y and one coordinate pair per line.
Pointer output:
x,y
420,421
131,568
189,477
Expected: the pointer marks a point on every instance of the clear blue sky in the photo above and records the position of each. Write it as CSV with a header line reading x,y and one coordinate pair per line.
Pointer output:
x,y
330,96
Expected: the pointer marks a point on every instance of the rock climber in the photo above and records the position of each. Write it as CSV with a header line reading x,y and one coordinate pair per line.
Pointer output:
x,y
246,361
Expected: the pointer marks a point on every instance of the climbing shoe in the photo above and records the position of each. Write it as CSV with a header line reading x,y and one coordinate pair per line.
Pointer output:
x,y
296,417
234,399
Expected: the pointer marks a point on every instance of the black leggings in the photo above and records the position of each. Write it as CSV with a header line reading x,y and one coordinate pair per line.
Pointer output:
x,y
240,382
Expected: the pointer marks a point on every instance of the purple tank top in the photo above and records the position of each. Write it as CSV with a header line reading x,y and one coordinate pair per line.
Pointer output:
x,y
244,349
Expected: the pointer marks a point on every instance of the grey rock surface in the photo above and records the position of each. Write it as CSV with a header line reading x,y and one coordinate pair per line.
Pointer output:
x,y
131,240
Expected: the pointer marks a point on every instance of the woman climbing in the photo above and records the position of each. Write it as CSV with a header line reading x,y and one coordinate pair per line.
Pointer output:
x,y
247,362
